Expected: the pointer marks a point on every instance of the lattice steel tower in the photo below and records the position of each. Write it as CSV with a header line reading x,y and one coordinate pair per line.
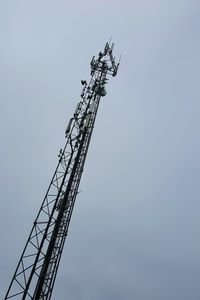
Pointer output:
x,y
36,271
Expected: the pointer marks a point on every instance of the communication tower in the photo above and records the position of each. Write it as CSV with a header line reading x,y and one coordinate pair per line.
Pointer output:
x,y
37,268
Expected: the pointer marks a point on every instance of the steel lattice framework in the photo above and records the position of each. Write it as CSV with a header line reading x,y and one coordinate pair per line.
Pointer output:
x,y
36,271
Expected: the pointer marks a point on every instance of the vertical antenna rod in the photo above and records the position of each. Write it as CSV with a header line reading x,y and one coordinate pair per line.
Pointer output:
x,y
36,271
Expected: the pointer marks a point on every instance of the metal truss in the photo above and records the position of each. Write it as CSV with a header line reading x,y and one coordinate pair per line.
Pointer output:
x,y
38,265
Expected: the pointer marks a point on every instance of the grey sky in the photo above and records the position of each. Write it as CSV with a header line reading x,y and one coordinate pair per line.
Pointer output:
x,y
135,228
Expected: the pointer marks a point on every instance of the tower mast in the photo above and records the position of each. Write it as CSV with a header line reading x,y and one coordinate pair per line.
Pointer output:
x,y
37,268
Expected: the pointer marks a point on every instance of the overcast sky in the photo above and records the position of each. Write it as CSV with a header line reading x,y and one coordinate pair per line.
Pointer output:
x,y
134,233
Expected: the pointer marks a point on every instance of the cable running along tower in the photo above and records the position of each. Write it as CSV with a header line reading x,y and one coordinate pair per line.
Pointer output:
x,y
36,271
